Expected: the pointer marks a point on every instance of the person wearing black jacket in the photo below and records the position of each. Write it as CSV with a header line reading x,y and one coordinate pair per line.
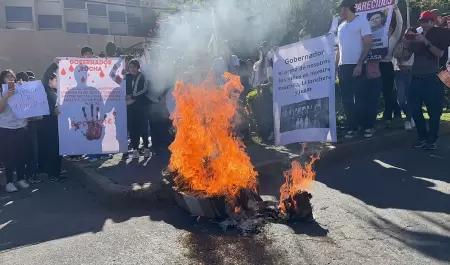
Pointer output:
x,y
50,139
137,108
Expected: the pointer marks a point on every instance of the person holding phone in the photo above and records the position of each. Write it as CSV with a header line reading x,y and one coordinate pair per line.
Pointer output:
x,y
428,47
13,136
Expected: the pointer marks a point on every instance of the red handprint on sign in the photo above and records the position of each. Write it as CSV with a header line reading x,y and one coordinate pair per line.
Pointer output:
x,y
94,125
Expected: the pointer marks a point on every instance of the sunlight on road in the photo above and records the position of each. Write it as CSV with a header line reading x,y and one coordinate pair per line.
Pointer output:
x,y
385,165
439,185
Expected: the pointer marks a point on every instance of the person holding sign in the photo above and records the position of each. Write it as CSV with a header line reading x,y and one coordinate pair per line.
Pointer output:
x,y
13,136
354,43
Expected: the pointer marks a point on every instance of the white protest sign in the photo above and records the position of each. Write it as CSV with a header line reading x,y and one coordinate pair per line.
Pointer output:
x,y
303,92
91,100
379,15
30,100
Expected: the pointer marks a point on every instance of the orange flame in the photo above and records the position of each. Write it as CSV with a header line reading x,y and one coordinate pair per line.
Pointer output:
x,y
299,178
205,154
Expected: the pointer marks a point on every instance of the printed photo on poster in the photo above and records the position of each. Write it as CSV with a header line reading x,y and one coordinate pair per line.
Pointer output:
x,y
91,99
307,114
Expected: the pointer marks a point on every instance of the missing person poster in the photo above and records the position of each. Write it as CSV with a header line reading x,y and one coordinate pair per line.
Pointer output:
x,y
303,92
91,102
379,15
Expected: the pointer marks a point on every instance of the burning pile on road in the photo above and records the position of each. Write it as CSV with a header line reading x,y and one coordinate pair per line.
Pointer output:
x,y
211,173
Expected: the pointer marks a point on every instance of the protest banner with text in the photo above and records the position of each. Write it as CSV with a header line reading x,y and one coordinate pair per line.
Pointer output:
x,y
30,100
303,92
91,100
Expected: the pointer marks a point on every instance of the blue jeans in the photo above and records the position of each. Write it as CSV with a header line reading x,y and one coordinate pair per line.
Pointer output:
x,y
426,89
403,82
370,96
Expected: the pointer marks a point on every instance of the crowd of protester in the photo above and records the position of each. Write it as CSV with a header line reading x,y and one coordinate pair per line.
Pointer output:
x,y
406,77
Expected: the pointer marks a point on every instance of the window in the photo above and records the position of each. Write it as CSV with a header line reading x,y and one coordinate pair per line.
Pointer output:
x,y
75,4
76,27
133,2
19,14
117,16
133,20
49,22
100,31
97,10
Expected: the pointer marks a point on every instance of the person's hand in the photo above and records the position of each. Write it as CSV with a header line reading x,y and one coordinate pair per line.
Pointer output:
x,y
395,7
11,90
57,112
56,60
357,71
421,38
128,97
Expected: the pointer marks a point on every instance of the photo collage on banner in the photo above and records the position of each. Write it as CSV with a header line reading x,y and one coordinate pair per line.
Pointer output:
x,y
91,100
303,92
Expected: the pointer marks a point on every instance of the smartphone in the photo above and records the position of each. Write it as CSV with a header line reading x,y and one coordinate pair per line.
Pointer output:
x,y
419,30
11,85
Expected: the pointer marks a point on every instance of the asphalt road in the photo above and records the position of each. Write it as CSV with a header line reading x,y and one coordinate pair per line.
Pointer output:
x,y
387,208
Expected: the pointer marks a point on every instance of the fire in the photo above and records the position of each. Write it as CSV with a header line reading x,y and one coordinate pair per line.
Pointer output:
x,y
207,157
298,179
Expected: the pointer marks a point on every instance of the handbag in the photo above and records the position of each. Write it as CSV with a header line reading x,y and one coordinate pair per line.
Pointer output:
x,y
444,75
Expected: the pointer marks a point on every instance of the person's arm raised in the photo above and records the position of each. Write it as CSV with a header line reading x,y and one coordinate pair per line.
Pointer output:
x,y
433,49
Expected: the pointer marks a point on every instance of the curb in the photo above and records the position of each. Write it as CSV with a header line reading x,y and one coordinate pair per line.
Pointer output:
x,y
158,195
149,196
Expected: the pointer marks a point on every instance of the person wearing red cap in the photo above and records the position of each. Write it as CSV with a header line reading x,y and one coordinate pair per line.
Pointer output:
x,y
427,47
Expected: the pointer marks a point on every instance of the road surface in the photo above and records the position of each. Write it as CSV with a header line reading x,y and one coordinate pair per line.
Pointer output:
x,y
388,208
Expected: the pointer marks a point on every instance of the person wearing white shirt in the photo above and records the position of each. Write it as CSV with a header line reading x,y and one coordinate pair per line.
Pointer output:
x,y
354,43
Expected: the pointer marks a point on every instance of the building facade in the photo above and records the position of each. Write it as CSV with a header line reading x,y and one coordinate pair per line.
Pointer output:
x,y
102,17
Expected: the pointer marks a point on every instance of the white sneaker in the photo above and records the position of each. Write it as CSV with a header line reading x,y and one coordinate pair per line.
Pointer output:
x,y
23,184
369,133
408,126
10,188
135,154
413,124
350,135
147,153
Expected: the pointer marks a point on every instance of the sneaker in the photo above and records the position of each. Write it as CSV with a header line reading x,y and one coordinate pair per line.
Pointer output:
x,y
420,144
34,179
92,159
350,134
74,158
413,124
147,153
135,154
10,188
408,126
125,156
431,146
23,184
369,133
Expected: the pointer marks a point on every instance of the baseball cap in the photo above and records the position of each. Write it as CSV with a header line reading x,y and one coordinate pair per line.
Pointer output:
x,y
437,12
427,15
347,3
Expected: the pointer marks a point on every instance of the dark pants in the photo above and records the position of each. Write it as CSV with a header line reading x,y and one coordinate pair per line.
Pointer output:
x,y
14,152
160,124
351,94
50,140
32,166
370,95
403,82
389,95
429,90
137,122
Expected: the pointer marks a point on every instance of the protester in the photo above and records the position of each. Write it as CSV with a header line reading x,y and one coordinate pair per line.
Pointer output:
x,y
427,47
387,70
13,137
137,108
370,96
50,136
403,76
31,76
354,44
440,22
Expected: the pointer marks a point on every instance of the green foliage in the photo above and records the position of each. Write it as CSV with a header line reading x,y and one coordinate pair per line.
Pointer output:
x,y
442,5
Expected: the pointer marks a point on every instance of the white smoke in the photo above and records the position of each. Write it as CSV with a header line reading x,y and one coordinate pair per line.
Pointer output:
x,y
200,30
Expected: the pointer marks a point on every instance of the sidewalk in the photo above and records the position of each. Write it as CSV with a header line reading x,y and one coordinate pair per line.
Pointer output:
x,y
139,183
